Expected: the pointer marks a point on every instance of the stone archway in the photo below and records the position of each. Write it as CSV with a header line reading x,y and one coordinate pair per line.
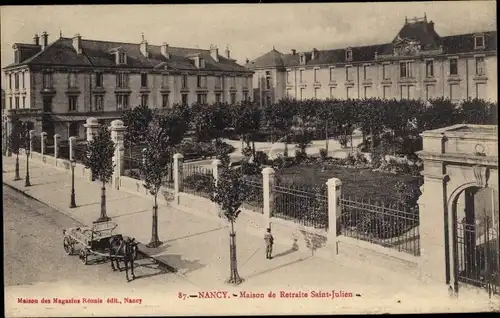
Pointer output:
x,y
460,170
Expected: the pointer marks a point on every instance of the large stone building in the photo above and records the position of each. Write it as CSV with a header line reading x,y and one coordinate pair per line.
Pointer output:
x,y
59,85
418,63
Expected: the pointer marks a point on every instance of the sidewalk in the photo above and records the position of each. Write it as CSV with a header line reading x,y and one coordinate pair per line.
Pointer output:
x,y
197,245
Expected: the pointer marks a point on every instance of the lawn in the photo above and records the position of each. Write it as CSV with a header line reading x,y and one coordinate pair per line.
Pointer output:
x,y
359,184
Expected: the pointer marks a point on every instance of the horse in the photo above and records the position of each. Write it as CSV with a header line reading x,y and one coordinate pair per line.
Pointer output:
x,y
123,249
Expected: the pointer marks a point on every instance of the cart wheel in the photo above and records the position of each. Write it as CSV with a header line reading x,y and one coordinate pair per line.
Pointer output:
x,y
68,246
84,256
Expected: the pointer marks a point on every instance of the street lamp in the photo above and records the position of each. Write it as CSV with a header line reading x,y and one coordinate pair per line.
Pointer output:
x,y
73,165
27,147
17,140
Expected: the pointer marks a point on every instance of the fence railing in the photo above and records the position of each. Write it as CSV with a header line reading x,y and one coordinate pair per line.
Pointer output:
x,y
389,226
254,200
131,167
196,180
79,153
301,204
36,144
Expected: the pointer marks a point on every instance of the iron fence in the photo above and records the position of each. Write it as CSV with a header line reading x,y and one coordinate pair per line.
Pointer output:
x,y
36,143
49,147
168,180
478,255
306,205
63,151
386,225
197,180
254,199
79,153
131,167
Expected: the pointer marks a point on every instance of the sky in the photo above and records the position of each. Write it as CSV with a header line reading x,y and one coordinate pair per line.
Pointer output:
x,y
250,30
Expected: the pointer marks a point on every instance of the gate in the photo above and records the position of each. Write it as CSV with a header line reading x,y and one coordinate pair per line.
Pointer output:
x,y
478,254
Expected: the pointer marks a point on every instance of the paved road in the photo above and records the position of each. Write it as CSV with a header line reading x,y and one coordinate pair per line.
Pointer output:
x,y
33,251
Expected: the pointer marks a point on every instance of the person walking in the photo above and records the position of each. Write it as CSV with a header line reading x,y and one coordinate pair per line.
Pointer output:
x,y
269,239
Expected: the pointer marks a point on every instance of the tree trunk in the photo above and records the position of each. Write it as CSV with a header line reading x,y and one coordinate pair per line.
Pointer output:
x,y
372,144
234,278
103,217
155,240
326,138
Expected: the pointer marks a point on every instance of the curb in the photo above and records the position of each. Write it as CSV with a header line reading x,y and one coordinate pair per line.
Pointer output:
x,y
141,246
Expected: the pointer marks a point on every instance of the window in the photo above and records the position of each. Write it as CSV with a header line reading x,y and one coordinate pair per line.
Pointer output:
x,y
184,99
122,80
47,105
332,92
332,74
406,91
218,81
480,90
268,80
23,81
302,95
122,101
268,100
454,95
348,55
24,102
385,91
301,76
429,68
405,69
347,71
245,96
16,80
72,80
479,42
480,69
202,62
17,102
10,81
202,98
164,101
184,81
366,91
348,92
288,76
73,129
429,92
121,58
316,90
315,75
202,81
99,102
453,66
72,103
366,69
233,81
98,79
217,98
233,98
144,99
10,102
144,80
47,80
302,59
385,71
164,82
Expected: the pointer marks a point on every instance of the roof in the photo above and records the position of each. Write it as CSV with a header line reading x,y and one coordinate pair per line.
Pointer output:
x,y
97,54
420,31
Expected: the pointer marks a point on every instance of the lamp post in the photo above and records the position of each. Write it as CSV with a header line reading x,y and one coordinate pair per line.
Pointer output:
x,y
17,139
72,205
28,143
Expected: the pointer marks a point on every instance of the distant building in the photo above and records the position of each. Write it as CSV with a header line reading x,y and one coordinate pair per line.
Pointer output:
x,y
59,85
418,63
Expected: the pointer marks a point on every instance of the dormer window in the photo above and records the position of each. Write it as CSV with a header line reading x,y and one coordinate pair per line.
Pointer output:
x,y
479,42
348,55
302,58
202,63
122,58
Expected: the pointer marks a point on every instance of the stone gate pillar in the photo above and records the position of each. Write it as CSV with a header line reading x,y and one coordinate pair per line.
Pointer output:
x,y
268,182
117,135
92,126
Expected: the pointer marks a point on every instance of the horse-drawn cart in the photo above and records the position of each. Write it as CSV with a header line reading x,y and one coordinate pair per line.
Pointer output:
x,y
94,240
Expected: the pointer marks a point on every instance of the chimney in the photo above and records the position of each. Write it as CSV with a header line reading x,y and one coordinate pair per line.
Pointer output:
x,y
430,26
228,53
294,51
77,43
45,40
247,60
36,39
144,47
314,54
164,50
214,52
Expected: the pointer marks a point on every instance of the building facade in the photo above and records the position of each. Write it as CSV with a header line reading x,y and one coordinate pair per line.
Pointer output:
x,y
417,64
59,85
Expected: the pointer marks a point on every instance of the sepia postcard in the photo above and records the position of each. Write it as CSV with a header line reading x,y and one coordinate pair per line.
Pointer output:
x,y
250,159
